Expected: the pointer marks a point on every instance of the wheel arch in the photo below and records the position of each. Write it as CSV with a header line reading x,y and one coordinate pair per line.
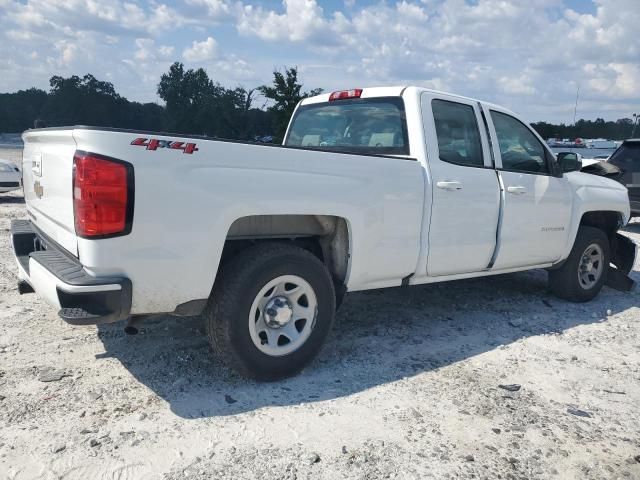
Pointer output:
x,y
329,237
607,220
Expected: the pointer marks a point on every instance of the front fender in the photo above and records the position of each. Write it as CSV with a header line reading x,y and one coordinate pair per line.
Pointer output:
x,y
594,194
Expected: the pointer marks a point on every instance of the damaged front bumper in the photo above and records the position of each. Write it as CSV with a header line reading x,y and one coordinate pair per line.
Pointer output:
x,y
623,257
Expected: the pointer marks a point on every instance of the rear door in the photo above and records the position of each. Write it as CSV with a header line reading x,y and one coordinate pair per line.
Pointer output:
x,y
537,203
627,159
465,189
47,170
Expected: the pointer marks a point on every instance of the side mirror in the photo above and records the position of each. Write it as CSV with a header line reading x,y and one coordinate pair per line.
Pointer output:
x,y
569,161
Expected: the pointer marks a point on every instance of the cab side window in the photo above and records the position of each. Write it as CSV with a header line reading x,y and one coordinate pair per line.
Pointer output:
x,y
520,150
458,134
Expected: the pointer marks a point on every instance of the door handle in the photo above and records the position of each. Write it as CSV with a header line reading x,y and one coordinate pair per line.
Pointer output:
x,y
451,186
517,190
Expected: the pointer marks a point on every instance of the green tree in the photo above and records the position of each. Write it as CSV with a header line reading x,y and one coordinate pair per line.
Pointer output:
x,y
188,95
19,110
84,100
77,100
599,128
285,94
196,104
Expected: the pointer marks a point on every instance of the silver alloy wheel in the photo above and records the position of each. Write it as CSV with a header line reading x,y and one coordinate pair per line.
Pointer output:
x,y
591,266
283,315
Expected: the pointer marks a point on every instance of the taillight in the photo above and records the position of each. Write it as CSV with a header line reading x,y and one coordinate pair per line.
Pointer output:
x,y
102,195
344,94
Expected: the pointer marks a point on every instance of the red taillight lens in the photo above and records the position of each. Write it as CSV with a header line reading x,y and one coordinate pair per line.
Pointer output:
x,y
344,94
102,199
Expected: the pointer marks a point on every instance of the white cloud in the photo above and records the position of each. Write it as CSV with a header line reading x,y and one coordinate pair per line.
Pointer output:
x,y
240,69
166,51
611,31
301,20
148,52
68,52
145,47
530,55
19,35
201,51
618,79
205,54
517,85
119,16
216,9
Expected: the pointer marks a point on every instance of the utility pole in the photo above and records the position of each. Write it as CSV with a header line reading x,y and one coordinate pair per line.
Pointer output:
x,y
575,109
636,117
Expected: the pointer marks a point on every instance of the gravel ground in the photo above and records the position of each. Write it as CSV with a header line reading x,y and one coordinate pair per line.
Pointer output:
x,y
489,378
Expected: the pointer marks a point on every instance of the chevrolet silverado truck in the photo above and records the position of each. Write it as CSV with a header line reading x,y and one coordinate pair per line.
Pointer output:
x,y
372,188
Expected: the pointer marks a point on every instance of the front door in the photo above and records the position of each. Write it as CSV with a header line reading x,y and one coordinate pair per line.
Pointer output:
x,y
465,190
537,203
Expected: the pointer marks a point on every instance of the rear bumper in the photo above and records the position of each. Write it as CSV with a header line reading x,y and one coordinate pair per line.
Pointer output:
x,y
59,278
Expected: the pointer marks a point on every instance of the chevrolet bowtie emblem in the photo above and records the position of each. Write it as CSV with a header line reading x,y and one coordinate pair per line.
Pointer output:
x,y
38,189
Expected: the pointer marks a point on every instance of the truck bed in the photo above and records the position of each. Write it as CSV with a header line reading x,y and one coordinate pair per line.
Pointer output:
x,y
186,200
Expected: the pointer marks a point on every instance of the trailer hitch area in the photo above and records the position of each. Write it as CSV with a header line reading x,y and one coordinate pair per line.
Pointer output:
x,y
623,257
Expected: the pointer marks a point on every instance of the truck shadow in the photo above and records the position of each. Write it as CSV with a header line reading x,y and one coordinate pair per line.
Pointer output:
x,y
379,337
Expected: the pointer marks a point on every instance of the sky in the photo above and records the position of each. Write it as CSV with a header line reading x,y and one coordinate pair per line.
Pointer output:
x,y
531,56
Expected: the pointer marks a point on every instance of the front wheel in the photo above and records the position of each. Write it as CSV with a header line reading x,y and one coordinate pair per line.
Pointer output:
x,y
270,311
583,274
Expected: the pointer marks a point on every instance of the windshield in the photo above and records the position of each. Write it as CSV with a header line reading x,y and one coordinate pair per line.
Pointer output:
x,y
628,151
374,125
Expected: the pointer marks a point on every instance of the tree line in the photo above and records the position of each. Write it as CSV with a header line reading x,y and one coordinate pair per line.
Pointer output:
x,y
193,104
619,130
196,104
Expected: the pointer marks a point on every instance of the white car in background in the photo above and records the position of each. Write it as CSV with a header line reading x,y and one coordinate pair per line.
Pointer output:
x,y
10,176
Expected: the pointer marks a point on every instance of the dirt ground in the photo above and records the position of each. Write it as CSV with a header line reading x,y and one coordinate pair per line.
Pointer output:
x,y
408,387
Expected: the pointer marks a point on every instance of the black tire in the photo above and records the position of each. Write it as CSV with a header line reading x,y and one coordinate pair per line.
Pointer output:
x,y
237,285
564,281
341,293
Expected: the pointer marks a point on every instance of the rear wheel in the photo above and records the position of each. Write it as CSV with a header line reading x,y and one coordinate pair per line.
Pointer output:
x,y
583,274
270,311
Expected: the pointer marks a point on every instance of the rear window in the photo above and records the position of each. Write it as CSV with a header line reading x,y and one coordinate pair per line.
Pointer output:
x,y
371,125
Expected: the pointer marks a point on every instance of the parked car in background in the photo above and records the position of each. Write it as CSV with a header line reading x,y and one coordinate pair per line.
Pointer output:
x,y
10,176
627,159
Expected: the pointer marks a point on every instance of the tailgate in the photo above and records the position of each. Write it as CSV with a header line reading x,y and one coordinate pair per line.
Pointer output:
x,y
47,170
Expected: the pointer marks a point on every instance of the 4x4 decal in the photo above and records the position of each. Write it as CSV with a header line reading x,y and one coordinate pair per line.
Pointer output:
x,y
154,144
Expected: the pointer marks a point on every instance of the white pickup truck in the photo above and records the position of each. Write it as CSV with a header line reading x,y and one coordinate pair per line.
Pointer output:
x,y
373,188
